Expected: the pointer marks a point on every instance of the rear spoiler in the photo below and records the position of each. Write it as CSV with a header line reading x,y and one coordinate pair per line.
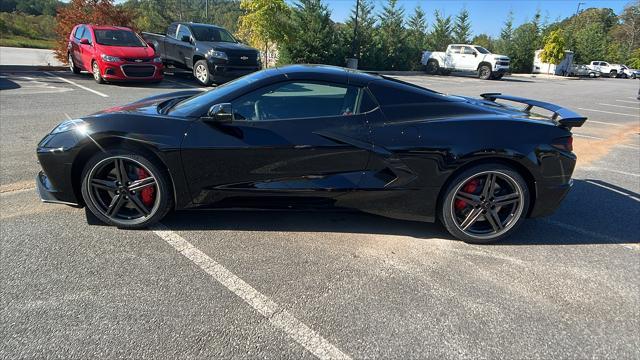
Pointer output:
x,y
562,116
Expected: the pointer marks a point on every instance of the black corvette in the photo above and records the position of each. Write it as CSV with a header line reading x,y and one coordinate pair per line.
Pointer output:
x,y
317,137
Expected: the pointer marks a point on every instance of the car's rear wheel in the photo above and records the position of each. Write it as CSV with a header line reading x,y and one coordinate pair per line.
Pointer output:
x,y
125,189
95,70
432,67
592,75
484,72
485,203
72,65
613,74
201,72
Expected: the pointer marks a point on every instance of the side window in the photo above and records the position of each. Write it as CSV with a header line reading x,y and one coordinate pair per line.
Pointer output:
x,y
183,32
468,51
366,102
79,32
604,63
87,34
297,100
456,49
171,30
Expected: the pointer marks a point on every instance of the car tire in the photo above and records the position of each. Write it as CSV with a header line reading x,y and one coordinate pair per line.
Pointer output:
x,y
613,74
592,75
432,67
72,65
95,71
482,219
484,72
126,188
201,73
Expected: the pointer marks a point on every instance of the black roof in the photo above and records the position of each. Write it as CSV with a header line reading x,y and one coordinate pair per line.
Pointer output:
x,y
329,73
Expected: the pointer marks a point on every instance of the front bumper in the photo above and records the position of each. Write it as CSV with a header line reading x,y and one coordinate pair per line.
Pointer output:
x,y
118,71
48,194
500,69
225,72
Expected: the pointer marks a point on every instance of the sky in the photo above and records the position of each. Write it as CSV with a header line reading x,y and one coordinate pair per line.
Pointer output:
x,y
487,16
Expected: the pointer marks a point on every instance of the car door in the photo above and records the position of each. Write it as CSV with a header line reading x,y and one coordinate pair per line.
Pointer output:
x,y
293,140
467,58
75,46
183,46
453,57
169,43
86,50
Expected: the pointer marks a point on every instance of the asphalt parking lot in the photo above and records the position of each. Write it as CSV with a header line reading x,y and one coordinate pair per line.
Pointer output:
x,y
298,284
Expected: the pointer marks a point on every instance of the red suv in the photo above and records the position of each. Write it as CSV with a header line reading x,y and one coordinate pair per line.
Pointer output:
x,y
112,54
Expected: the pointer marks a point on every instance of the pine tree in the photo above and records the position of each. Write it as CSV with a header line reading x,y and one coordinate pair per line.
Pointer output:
x,y
462,28
392,36
416,37
313,37
441,36
364,42
504,45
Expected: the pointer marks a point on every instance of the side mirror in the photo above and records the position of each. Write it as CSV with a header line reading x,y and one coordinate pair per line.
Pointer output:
x,y
84,41
475,54
186,38
150,44
220,113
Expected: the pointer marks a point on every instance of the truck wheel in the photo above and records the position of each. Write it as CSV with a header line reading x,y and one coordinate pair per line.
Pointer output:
x,y
613,74
432,67
201,72
484,72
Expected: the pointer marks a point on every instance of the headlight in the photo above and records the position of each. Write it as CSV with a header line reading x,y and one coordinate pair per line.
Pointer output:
x,y
109,58
157,60
68,125
218,54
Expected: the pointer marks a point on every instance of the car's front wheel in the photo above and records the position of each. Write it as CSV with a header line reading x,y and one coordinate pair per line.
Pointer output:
x,y
484,72
613,74
484,203
95,69
126,189
201,72
72,65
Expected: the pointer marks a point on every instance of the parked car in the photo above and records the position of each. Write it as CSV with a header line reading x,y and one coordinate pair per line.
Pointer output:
x,y
635,73
462,57
613,70
628,73
583,70
211,52
316,137
112,53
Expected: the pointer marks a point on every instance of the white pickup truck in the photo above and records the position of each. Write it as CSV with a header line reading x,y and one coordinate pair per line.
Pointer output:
x,y
463,57
613,70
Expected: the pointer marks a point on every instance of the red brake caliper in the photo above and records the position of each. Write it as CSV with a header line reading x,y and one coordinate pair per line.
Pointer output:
x,y
470,188
147,194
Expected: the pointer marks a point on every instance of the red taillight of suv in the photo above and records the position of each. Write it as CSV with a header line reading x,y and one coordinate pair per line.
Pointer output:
x,y
563,143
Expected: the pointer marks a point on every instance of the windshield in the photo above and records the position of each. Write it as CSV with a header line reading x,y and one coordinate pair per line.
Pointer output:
x,y
211,33
482,50
118,38
208,98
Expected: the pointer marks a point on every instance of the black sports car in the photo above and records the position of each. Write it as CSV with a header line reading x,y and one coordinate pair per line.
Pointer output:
x,y
307,136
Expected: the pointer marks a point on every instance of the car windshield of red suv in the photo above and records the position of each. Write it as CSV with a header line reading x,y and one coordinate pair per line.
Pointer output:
x,y
118,38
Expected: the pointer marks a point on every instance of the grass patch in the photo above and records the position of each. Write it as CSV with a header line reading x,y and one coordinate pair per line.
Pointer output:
x,y
21,41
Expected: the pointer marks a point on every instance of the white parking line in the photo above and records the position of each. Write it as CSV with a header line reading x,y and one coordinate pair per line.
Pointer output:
x,y
607,112
279,317
624,243
627,101
588,136
604,123
78,85
622,106
614,190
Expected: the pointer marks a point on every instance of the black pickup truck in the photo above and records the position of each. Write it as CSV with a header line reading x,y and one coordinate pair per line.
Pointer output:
x,y
211,52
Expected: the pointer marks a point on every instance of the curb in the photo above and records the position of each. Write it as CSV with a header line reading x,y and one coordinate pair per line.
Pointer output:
x,y
32,68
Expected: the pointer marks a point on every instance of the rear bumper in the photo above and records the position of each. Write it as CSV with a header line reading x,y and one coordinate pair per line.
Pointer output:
x,y
548,199
47,193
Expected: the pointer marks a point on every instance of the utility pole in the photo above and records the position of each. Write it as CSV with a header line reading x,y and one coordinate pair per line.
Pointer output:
x,y
355,31
578,9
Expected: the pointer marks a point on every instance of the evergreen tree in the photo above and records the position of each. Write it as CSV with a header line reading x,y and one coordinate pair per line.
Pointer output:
x,y
365,39
485,41
391,36
441,36
462,28
313,37
504,44
416,37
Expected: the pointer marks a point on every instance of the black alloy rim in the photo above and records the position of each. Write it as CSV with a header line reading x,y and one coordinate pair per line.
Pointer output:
x,y
116,187
487,205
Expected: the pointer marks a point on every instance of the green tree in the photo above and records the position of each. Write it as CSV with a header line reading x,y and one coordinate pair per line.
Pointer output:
x,y
313,38
392,35
416,37
504,43
462,28
485,41
365,45
525,42
441,36
264,24
553,51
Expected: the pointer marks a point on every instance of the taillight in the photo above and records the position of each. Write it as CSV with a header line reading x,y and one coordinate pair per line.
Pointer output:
x,y
563,143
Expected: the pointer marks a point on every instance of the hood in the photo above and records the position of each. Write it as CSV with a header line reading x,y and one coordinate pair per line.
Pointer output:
x,y
223,46
127,51
149,105
498,57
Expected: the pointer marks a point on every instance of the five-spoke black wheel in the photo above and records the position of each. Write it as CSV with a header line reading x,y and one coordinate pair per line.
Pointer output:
x,y
125,189
485,203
